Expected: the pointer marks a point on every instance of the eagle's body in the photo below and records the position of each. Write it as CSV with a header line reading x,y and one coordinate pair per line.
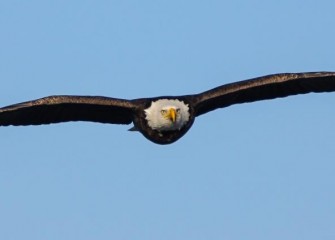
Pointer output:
x,y
156,122
163,120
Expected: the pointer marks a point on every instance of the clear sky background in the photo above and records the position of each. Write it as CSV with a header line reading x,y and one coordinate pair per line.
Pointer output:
x,y
263,170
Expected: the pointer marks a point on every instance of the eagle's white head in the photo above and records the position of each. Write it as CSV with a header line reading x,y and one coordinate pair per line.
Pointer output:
x,y
167,115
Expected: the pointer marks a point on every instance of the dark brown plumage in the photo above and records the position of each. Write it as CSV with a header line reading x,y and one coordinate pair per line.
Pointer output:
x,y
57,109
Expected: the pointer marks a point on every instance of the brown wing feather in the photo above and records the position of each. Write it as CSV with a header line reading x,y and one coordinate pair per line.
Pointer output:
x,y
55,109
262,88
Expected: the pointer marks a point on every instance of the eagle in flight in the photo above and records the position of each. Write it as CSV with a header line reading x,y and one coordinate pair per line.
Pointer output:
x,y
163,120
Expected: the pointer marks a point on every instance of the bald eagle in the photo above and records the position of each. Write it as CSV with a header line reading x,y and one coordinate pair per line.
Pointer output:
x,y
163,120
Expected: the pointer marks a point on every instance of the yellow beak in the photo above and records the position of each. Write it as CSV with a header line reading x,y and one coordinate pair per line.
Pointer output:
x,y
172,114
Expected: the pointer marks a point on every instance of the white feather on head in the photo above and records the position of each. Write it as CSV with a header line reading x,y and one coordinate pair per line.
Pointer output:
x,y
158,122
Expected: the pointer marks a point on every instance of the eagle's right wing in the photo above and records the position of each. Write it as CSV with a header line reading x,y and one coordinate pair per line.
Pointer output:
x,y
55,109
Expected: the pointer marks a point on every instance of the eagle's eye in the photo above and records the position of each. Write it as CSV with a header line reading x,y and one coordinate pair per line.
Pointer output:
x,y
178,110
163,111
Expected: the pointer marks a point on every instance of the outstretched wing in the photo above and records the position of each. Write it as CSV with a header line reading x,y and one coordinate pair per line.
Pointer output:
x,y
55,109
262,88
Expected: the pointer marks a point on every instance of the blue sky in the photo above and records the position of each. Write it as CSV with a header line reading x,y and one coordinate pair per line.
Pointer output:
x,y
255,171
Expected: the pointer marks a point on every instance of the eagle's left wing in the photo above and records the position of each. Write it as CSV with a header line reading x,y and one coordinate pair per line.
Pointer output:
x,y
263,88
